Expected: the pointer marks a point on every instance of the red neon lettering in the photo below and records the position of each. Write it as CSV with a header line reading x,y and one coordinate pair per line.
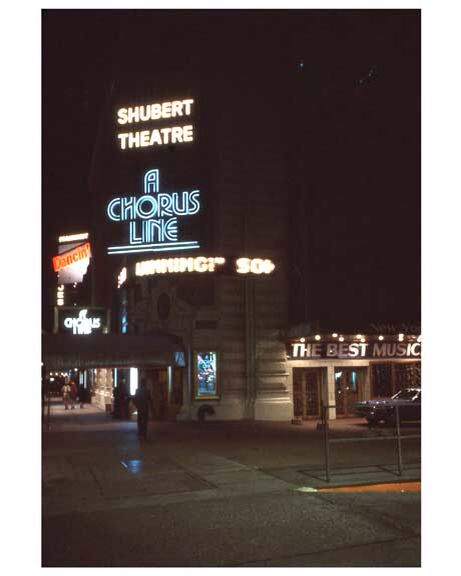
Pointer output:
x,y
74,255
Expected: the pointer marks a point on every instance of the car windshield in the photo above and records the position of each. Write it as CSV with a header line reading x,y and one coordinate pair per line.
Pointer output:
x,y
406,395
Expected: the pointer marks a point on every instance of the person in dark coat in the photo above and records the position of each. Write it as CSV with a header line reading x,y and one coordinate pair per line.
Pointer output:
x,y
143,401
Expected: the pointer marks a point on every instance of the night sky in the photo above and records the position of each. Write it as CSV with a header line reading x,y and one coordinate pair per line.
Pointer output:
x,y
348,84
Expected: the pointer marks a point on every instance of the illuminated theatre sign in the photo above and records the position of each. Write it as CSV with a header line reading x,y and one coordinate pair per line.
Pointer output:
x,y
78,321
72,264
177,133
152,220
345,350
202,264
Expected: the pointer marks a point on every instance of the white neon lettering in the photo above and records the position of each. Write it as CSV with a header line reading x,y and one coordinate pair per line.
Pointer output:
x,y
254,266
188,133
134,139
166,135
187,105
122,116
156,111
176,106
166,110
133,114
82,324
123,138
199,264
176,135
145,140
155,138
144,113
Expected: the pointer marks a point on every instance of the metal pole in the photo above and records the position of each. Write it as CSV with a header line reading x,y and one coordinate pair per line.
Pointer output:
x,y
48,423
399,445
325,442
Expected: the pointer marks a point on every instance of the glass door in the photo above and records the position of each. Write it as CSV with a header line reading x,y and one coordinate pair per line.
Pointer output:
x,y
306,392
346,391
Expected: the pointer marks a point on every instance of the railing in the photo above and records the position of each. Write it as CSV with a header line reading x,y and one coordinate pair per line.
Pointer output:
x,y
327,440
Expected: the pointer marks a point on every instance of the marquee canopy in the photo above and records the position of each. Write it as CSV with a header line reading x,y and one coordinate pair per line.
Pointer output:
x,y
62,351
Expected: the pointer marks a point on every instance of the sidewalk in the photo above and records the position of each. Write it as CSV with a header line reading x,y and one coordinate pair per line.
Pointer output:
x,y
90,458
220,494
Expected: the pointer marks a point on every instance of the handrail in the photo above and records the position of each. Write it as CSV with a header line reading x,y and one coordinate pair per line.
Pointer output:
x,y
327,441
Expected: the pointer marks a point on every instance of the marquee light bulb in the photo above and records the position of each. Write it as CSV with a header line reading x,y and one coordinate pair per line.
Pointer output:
x,y
380,337
401,337
335,335
341,338
359,336
317,336
302,339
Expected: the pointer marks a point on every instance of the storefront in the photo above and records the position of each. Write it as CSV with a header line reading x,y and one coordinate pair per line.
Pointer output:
x,y
106,363
340,370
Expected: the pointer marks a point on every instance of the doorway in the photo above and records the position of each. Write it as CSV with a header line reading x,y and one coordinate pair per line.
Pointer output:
x,y
307,392
165,384
348,389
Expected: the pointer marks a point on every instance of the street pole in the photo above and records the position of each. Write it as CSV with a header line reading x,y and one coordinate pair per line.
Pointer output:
x,y
399,444
325,442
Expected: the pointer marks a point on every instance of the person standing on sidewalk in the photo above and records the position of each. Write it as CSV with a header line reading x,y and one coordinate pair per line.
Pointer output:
x,y
73,394
143,401
66,391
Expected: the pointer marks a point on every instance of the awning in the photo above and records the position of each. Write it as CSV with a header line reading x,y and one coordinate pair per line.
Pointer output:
x,y
111,350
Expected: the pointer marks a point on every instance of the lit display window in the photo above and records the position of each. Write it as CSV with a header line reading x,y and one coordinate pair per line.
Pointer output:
x,y
206,374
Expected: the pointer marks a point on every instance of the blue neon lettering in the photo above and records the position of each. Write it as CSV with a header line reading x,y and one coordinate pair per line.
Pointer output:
x,y
158,213
171,229
147,199
127,211
110,209
151,182
194,202
133,238
165,201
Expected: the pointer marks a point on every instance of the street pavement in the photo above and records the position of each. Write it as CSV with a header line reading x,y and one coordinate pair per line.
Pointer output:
x,y
219,494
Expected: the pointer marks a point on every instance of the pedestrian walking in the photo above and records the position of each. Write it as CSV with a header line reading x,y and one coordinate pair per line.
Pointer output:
x,y
143,401
65,391
73,394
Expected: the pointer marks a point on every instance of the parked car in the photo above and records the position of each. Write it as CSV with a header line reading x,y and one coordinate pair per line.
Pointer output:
x,y
383,409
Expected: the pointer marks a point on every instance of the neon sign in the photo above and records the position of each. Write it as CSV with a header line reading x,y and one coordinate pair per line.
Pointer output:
x,y
152,219
178,265
202,264
254,266
153,112
82,252
82,324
